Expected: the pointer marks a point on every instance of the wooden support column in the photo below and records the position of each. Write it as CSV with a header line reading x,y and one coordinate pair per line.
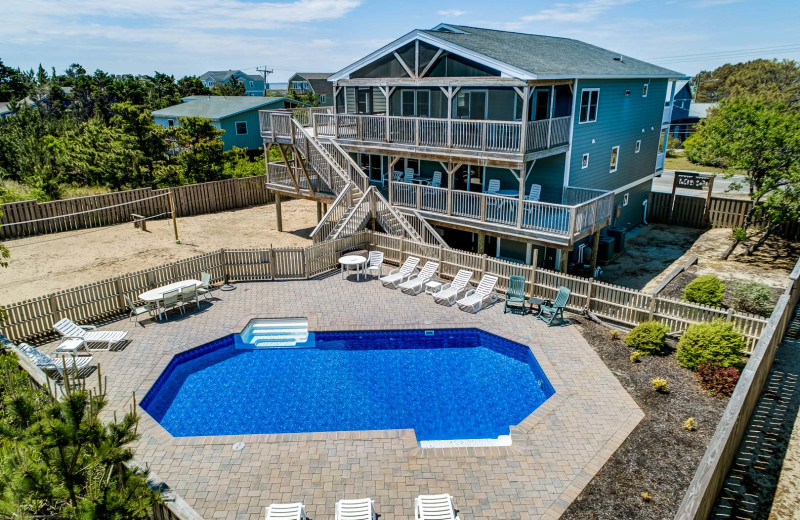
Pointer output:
x,y
481,243
593,257
278,211
319,211
289,169
550,119
564,260
392,162
523,131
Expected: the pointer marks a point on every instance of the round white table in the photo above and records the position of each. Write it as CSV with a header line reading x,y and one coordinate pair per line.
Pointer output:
x,y
348,261
157,294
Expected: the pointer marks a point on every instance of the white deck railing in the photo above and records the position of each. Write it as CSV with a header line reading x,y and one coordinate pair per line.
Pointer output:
x,y
464,134
582,210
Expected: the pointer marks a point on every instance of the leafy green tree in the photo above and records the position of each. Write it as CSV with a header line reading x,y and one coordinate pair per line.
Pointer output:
x,y
13,85
150,139
770,80
201,145
310,97
233,87
761,139
192,86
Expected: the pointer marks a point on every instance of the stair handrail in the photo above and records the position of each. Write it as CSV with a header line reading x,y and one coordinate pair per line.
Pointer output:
x,y
432,232
310,139
353,164
407,228
352,212
341,197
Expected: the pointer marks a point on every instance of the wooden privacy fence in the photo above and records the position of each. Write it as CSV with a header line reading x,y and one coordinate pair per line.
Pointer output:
x,y
32,319
621,305
29,217
721,452
723,212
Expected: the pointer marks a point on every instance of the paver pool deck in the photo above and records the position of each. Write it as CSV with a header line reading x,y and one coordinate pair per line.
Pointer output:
x,y
555,452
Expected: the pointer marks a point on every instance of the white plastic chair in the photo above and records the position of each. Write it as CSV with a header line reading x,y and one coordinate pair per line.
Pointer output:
x,y
436,181
205,285
534,193
494,186
409,175
74,364
375,263
296,511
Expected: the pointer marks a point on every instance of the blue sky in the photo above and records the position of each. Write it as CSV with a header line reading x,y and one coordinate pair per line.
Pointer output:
x,y
183,37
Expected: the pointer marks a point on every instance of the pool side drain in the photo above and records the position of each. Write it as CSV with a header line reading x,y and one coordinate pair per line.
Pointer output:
x,y
239,446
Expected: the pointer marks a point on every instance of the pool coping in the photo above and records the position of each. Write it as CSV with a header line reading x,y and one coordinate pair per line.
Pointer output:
x,y
519,432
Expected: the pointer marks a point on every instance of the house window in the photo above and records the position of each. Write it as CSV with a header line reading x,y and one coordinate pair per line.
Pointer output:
x,y
589,97
241,127
170,123
644,89
638,145
614,158
364,100
323,98
517,108
625,200
585,161
251,84
415,103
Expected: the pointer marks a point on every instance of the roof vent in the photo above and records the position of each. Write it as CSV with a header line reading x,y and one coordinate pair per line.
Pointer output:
x,y
618,58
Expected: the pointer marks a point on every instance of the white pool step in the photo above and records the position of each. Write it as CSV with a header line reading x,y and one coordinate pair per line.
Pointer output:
x,y
270,333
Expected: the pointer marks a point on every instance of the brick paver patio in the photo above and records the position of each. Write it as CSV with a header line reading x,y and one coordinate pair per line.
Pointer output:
x,y
555,452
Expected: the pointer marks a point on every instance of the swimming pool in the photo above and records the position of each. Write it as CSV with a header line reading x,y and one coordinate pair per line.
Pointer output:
x,y
444,384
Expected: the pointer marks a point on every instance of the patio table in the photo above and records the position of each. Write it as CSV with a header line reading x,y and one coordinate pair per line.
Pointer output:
x,y
353,260
157,295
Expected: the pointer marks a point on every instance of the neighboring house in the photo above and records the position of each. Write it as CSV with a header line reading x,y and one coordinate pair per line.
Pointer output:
x,y
5,109
525,117
313,83
253,83
237,115
41,97
685,112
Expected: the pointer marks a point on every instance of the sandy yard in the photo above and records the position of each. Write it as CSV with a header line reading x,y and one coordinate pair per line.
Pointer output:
x,y
46,263
653,251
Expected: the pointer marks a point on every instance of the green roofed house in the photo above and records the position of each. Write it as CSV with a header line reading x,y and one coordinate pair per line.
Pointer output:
x,y
237,115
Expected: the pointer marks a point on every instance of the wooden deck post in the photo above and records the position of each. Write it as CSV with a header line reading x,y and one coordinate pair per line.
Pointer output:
x,y
319,211
481,243
278,211
523,131
593,257
564,260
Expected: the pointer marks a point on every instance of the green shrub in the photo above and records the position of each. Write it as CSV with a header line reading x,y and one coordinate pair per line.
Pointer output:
x,y
635,356
659,385
706,289
649,337
718,380
716,343
753,297
689,424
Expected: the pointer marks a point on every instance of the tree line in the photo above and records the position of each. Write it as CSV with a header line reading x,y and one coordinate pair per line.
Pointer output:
x,y
81,129
753,132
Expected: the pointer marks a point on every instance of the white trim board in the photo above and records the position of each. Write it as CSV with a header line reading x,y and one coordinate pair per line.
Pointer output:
x,y
633,184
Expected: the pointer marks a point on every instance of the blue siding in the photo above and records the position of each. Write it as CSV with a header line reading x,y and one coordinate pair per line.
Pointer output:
x,y
621,121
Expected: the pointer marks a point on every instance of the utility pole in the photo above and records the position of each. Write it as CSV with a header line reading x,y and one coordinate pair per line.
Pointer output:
x,y
265,72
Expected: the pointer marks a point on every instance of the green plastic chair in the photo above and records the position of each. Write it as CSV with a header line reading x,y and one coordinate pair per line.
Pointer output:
x,y
549,311
515,296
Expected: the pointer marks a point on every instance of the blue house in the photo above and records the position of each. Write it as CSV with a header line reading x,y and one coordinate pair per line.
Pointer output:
x,y
253,83
236,115
505,143
686,113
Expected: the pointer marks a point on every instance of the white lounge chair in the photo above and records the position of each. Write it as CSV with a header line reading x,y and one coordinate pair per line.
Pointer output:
x,y
89,333
296,511
74,364
400,275
473,300
434,507
416,282
452,291
356,509
375,263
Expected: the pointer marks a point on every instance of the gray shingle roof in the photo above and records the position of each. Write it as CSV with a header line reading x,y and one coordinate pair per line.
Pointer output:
x,y
216,107
318,81
549,56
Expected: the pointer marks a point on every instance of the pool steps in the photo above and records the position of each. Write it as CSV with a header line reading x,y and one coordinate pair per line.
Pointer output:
x,y
272,333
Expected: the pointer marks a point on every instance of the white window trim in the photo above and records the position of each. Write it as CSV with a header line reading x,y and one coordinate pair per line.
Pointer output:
x,y
638,147
236,127
625,199
645,89
586,165
580,101
470,90
615,166
170,121
323,98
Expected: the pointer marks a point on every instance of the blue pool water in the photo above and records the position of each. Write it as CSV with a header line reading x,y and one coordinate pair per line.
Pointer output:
x,y
449,384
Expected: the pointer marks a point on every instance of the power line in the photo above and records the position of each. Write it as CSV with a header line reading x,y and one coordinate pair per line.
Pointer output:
x,y
730,57
727,52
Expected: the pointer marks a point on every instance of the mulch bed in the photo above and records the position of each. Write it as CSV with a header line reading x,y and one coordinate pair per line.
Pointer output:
x,y
660,456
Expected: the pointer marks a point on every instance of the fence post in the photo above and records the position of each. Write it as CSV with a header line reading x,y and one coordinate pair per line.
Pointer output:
x,y
54,308
305,263
484,261
120,293
651,310
271,266
590,293
729,314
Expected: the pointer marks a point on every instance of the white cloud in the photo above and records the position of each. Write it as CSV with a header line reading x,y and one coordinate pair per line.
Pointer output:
x,y
451,12
714,3
581,12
